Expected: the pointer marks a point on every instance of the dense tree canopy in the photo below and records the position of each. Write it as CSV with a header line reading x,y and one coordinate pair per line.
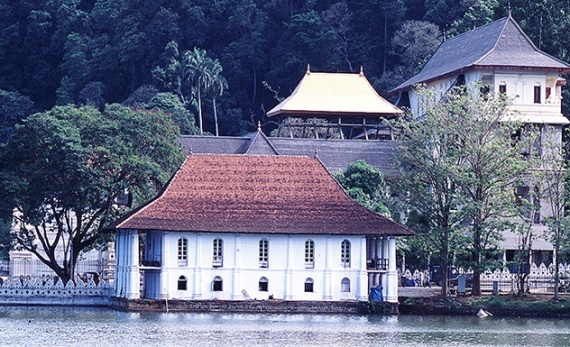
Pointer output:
x,y
93,52
63,171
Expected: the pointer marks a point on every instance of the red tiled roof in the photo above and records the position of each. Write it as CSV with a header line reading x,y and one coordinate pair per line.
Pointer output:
x,y
257,194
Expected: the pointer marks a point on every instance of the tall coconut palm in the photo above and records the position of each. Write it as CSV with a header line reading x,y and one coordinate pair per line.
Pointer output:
x,y
217,86
197,71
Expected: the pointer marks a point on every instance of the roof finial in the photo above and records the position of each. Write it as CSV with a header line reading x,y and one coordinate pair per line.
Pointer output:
x,y
258,125
316,152
190,150
308,69
509,8
361,71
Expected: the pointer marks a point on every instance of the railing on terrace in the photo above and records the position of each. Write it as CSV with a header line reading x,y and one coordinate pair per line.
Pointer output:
x,y
34,268
540,279
377,264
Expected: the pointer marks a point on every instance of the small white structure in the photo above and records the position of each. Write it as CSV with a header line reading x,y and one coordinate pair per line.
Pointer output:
x,y
238,227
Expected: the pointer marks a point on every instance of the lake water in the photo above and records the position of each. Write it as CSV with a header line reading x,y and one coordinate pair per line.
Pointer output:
x,y
56,326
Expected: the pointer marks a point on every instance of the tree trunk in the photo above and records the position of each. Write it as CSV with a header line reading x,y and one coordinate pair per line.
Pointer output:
x,y
215,115
200,111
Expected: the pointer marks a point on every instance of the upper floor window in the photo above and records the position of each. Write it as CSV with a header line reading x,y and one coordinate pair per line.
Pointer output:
x,y
263,284
217,284
182,283
345,253
537,92
309,254
218,254
503,88
345,285
309,285
182,251
263,253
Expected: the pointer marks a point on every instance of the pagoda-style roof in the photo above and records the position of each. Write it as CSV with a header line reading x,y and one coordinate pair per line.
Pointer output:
x,y
257,194
500,44
336,95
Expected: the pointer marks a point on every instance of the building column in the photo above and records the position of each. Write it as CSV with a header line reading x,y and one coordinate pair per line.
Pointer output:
x,y
163,285
363,288
197,294
384,282
392,292
289,270
327,295
236,273
132,263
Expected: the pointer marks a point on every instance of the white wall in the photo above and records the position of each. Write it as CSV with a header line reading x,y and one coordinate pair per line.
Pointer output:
x,y
286,271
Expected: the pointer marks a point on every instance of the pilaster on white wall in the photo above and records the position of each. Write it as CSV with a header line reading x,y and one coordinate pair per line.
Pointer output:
x,y
199,265
363,289
328,271
133,278
236,272
392,294
289,269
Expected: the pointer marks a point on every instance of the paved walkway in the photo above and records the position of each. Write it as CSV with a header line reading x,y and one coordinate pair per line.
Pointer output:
x,y
418,291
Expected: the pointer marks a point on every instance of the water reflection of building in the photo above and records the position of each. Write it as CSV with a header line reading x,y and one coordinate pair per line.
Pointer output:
x,y
233,227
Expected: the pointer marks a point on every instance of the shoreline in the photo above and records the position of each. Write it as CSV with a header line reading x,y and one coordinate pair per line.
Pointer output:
x,y
506,305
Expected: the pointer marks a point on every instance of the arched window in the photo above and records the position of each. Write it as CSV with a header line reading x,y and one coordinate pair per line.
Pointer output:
x,y
182,283
217,284
218,259
345,285
263,253
345,253
309,254
309,285
182,251
263,284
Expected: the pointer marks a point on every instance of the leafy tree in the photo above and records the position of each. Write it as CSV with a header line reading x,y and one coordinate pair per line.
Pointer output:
x,y
428,160
554,176
63,170
366,185
490,165
171,104
482,12
13,108
414,43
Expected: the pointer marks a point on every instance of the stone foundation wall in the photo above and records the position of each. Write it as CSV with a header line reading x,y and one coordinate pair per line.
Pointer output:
x,y
254,306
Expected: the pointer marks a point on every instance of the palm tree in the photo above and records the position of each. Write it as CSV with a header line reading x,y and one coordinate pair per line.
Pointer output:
x,y
217,86
197,71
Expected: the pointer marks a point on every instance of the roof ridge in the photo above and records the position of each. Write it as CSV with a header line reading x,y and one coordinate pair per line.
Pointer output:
x,y
497,40
265,138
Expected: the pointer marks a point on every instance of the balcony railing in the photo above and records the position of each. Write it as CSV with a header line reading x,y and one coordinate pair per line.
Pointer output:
x,y
150,263
377,264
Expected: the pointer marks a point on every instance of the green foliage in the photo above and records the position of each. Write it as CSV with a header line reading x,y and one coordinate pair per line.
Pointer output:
x,y
366,185
63,170
459,166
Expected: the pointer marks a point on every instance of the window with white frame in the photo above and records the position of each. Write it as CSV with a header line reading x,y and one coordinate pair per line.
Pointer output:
x,y
182,283
218,253
345,253
309,285
217,284
263,253
309,254
182,251
345,285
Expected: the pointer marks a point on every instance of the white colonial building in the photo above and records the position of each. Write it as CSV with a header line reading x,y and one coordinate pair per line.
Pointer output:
x,y
238,227
503,60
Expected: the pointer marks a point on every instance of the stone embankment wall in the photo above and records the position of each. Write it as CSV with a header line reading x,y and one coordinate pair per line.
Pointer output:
x,y
254,306
39,292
